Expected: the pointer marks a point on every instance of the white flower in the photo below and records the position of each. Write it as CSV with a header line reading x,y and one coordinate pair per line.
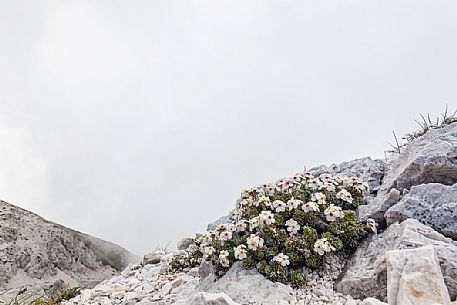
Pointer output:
x,y
254,223
282,259
372,225
293,204
222,227
223,253
240,252
264,200
254,242
314,184
241,225
319,197
292,226
267,217
279,206
236,214
322,246
310,206
333,212
226,235
224,261
209,250
343,194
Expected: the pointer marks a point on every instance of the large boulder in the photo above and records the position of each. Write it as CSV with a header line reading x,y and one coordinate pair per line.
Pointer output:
x,y
429,158
432,204
368,170
246,285
408,271
366,272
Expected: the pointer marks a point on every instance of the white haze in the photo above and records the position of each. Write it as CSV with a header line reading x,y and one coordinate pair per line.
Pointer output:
x,y
140,121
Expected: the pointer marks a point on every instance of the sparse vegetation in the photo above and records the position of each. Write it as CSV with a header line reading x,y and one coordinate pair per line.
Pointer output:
x,y
425,123
25,298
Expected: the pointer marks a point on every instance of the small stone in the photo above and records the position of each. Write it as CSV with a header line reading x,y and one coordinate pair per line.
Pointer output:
x,y
152,258
184,243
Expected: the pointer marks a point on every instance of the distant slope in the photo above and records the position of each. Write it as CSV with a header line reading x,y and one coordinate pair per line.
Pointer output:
x,y
35,252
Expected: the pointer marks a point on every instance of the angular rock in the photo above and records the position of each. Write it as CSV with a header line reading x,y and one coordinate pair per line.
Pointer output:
x,y
184,243
429,158
203,298
153,258
243,285
204,269
377,206
366,271
372,301
212,226
432,204
414,277
370,171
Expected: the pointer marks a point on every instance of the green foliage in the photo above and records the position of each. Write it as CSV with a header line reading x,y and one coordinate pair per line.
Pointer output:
x,y
282,227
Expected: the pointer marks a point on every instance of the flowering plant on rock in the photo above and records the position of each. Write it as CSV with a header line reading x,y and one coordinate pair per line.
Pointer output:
x,y
280,228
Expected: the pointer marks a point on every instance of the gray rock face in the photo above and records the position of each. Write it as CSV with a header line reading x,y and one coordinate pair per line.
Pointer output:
x,y
430,158
243,286
35,251
366,271
414,277
377,206
370,171
212,226
432,204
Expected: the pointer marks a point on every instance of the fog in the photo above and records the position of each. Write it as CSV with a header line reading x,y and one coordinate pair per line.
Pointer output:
x,y
139,122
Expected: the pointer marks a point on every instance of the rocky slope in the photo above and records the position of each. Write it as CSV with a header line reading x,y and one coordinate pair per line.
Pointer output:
x,y
41,255
412,259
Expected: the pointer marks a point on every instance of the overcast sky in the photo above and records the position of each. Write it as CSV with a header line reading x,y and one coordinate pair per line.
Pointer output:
x,y
140,121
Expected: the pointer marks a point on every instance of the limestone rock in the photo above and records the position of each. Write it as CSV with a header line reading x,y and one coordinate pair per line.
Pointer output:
x,y
414,277
432,204
35,252
429,158
243,285
370,171
203,298
184,243
377,206
153,258
372,301
366,271
212,226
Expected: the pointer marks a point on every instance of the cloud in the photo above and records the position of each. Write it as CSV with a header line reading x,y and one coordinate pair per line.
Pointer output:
x,y
141,122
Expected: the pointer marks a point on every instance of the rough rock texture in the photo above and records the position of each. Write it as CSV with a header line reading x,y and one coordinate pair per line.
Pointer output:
x,y
429,158
212,226
414,277
158,285
203,298
377,206
366,272
432,204
39,254
244,285
370,171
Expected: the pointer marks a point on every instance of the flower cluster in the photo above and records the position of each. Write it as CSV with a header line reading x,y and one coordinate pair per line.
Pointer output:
x,y
279,228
